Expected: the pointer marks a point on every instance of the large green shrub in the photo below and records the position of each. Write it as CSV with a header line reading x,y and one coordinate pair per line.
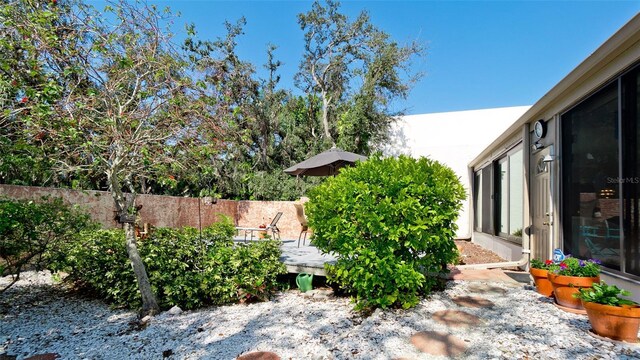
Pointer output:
x,y
391,223
31,230
185,268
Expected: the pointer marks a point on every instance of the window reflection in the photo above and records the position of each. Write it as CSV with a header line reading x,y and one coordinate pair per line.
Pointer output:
x,y
516,194
504,197
511,195
590,169
477,200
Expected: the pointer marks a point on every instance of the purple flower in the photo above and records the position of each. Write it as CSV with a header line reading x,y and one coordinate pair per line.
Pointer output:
x,y
595,261
581,263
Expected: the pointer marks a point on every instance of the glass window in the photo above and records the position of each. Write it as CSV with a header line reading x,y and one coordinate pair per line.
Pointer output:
x,y
477,200
590,172
499,201
630,181
486,200
510,192
503,195
516,194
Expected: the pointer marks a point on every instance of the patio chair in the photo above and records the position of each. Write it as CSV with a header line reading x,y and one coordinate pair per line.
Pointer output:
x,y
303,222
601,242
271,227
599,250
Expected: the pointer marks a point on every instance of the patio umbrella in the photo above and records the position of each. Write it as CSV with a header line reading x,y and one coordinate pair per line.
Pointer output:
x,y
326,163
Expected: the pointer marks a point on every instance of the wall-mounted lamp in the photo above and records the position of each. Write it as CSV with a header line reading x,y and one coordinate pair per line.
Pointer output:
x,y
548,158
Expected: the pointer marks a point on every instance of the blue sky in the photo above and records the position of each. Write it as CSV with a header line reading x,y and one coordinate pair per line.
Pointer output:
x,y
480,54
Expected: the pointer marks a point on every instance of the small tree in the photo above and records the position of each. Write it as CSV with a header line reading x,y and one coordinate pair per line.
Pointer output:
x,y
391,223
124,103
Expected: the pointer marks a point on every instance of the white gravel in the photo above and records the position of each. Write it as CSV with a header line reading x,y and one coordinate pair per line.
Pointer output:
x,y
37,318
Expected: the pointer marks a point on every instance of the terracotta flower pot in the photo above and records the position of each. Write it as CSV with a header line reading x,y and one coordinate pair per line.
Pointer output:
x,y
565,286
615,322
543,285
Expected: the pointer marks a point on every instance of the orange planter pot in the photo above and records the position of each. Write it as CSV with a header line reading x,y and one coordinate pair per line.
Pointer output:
x,y
565,286
615,322
543,285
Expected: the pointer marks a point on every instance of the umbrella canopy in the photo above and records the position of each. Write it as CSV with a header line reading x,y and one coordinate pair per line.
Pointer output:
x,y
326,163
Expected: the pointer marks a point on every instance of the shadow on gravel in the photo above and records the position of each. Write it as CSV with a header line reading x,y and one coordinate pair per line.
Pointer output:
x,y
518,328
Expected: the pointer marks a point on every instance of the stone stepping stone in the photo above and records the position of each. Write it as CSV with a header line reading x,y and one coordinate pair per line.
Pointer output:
x,y
438,343
486,289
480,275
259,355
473,301
47,356
456,318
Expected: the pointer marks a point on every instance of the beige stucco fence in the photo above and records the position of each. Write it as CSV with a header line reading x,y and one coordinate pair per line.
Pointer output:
x,y
170,211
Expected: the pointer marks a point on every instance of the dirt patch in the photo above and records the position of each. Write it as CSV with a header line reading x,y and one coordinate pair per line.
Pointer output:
x,y
471,253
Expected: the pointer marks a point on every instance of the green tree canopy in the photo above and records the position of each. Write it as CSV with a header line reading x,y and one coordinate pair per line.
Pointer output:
x,y
78,86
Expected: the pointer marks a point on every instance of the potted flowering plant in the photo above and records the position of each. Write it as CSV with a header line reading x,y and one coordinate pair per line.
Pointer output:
x,y
611,315
570,275
539,271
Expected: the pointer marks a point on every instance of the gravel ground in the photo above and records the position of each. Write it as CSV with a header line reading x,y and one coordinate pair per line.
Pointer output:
x,y
38,318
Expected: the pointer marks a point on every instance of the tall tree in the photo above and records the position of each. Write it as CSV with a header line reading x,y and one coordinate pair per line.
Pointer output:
x,y
337,53
266,110
230,93
366,117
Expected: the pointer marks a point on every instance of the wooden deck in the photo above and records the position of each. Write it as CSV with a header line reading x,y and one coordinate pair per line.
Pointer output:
x,y
303,259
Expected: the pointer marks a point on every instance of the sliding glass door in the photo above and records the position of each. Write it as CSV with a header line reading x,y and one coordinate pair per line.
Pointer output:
x,y
591,165
601,176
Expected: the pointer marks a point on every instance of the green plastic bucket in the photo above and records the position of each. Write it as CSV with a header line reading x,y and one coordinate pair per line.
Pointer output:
x,y
304,282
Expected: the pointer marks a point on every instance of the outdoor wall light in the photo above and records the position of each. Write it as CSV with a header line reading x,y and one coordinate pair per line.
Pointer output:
x,y
548,159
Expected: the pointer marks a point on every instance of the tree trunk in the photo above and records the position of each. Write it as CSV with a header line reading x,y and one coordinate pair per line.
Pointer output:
x,y
149,302
325,118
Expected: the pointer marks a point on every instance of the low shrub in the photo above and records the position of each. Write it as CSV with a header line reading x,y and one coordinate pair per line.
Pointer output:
x,y
185,268
98,260
31,230
391,223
